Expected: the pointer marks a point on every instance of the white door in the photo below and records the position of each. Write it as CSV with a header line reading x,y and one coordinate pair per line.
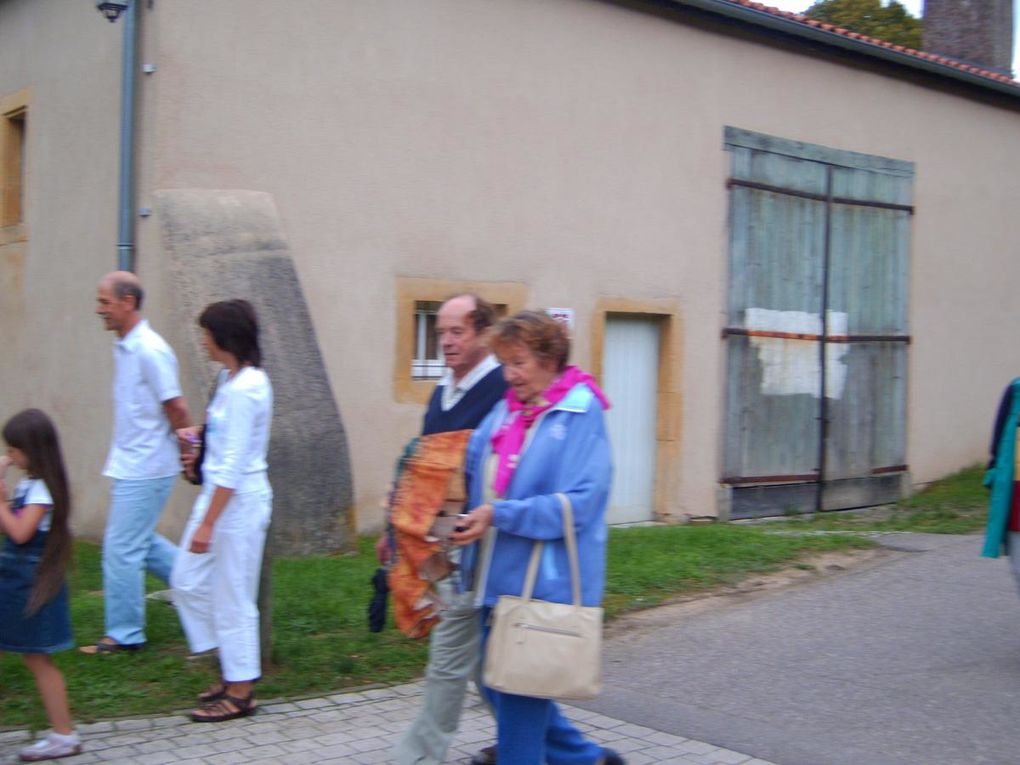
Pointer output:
x,y
630,371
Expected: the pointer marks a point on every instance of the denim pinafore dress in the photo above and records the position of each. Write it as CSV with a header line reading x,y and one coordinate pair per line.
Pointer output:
x,y
48,630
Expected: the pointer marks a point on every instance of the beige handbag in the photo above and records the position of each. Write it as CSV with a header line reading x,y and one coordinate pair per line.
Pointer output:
x,y
542,649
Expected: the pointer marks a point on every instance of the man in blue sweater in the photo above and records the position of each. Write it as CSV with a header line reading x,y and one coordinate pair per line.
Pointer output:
x,y
471,385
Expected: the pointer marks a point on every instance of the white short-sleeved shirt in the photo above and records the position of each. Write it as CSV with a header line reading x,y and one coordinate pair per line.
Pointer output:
x,y
453,392
145,375
33,491
237,430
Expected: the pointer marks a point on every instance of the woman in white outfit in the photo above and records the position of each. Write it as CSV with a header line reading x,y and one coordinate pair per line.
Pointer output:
x,y
216,576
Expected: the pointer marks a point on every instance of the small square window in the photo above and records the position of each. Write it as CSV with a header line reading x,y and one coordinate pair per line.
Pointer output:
x,y
419,358
427,361
12,166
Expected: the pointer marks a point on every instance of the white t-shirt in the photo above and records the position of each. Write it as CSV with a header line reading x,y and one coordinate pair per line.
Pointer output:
x,y
145,375
237,429
33,491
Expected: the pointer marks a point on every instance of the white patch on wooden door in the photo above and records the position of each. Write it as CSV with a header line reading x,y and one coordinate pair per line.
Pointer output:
x,y
790,366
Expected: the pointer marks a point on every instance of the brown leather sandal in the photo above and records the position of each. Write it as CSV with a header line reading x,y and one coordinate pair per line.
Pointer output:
x,y
221,711
214,692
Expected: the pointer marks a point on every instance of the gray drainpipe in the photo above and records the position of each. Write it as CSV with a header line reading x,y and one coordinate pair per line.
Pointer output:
x,y
125,204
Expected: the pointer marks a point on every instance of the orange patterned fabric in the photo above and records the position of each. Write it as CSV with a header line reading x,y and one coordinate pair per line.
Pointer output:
x,y
430,478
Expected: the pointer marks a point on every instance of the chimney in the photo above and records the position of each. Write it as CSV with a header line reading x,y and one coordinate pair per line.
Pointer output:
x,y
978,32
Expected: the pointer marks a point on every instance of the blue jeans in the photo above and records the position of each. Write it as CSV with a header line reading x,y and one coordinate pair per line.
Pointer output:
x,y
532,731
130,547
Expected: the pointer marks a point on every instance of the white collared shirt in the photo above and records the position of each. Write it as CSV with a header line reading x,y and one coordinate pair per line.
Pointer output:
x,y
454,392
145,375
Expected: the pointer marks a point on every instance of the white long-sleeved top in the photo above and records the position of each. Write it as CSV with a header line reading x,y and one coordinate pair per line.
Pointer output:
x,y
237,428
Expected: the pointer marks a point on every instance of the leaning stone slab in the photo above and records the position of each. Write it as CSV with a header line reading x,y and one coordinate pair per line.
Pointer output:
x,y
229,244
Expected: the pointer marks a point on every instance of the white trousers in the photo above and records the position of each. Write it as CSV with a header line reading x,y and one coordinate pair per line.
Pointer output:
x,y
216,592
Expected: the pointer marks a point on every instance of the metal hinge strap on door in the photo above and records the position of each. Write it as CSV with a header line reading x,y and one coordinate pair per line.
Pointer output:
x,y
741,331
740,480
731,182
735,480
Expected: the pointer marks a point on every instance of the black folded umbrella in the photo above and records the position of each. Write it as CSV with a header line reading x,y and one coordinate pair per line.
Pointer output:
x,y
377,606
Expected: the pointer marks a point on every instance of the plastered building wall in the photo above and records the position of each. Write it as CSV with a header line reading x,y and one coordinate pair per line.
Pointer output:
x,y
571,147
56,355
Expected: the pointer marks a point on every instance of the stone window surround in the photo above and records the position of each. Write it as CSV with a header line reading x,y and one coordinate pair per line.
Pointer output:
x,y
410,291
13,111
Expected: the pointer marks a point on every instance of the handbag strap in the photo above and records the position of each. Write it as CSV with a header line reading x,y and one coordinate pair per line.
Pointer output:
x,y
571,540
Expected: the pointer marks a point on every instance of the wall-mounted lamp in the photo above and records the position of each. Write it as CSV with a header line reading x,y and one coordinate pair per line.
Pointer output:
x,y
111,9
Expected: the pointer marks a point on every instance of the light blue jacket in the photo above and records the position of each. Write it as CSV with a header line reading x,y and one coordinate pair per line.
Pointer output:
x,y
569,453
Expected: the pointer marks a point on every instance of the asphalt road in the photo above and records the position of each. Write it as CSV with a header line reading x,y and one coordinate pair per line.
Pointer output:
x,y
914,660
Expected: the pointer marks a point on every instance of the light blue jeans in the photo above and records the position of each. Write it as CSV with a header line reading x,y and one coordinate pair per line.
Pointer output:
x,y
131,547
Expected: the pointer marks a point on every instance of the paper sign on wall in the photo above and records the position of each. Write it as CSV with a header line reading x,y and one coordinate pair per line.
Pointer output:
x,y
565,315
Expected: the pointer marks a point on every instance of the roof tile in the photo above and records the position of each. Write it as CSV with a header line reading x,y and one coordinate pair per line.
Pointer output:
x,y
953,63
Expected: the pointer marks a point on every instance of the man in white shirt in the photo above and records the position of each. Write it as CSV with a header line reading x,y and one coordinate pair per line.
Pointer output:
x,y
143,461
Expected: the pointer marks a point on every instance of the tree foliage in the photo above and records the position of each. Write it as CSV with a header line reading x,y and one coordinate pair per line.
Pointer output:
x,y
892,23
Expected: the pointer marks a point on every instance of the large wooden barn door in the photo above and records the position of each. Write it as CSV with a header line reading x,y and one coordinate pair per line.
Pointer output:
x,y
817,327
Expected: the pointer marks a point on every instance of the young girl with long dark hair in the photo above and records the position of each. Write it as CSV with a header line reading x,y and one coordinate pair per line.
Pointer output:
x,y
34,615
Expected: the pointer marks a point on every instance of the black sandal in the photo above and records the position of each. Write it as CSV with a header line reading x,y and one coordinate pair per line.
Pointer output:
x,y
218,711
214,692
217,690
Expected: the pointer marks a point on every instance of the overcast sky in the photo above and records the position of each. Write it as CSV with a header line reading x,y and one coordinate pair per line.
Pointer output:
x,y
914,6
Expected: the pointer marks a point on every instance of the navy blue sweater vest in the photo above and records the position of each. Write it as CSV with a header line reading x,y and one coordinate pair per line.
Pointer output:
x,y
468,413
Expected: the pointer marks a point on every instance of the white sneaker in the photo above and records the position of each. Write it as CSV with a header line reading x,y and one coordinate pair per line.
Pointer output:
x,y
53,747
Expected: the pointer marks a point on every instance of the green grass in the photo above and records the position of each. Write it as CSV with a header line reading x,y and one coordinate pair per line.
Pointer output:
x,y
957,504
649,565
322,644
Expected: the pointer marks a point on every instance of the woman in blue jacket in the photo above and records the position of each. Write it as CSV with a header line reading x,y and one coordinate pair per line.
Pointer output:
x,y
547,436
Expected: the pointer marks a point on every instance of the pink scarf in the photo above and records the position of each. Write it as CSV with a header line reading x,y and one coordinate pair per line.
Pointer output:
x,y
508,440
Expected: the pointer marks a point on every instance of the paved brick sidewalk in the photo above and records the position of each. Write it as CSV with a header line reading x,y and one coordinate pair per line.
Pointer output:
x,y
355,728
